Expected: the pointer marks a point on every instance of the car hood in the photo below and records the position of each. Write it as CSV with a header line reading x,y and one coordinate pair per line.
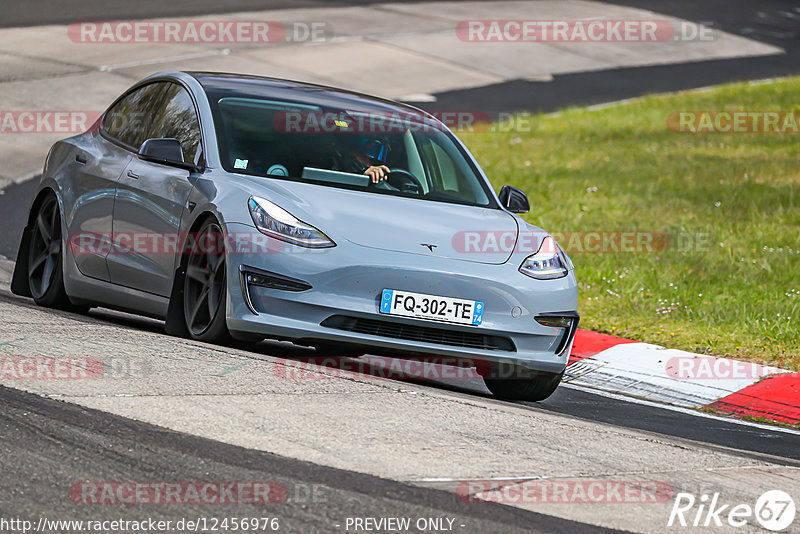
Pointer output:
x,y
399,224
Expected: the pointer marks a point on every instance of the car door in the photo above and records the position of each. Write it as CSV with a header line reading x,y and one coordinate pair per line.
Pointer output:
x,y
150,201
98,164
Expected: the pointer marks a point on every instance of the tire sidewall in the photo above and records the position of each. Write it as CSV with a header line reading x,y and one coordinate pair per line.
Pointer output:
x,y
55,296
218,329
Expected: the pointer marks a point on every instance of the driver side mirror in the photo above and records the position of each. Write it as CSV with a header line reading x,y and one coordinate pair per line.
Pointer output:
x,y
166,152
514,200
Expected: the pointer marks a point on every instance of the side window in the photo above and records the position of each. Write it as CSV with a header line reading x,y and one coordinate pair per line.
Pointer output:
x,y
128,119
449,174
177,119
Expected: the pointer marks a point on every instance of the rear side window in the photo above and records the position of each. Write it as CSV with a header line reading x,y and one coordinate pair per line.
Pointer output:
x,y
128,120
176,118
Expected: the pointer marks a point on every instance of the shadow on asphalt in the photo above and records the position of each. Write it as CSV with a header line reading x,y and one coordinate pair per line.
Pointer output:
x,y
15,202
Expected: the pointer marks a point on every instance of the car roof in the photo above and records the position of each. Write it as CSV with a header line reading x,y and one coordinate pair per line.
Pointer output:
x,y
295,91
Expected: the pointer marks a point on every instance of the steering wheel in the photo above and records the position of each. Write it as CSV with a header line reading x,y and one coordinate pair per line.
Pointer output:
x,y
403,180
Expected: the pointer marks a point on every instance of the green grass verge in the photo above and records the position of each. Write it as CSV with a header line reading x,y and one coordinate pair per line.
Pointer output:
x,y
729,281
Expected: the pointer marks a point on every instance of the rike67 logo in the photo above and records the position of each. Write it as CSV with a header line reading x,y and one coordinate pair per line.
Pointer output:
x,y
774,510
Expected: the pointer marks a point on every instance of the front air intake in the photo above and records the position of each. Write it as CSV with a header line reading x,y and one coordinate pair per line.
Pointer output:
x,y
424,334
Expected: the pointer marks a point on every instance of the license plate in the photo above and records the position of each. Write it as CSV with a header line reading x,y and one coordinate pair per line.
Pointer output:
x,y
431,307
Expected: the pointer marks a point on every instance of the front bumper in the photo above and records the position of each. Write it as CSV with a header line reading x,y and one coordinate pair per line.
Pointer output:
x,y
346,282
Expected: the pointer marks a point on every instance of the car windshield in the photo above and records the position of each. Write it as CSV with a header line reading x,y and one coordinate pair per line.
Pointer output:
x,y
334,147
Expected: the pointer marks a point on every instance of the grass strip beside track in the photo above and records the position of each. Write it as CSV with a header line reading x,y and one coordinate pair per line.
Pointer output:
x,y
728,282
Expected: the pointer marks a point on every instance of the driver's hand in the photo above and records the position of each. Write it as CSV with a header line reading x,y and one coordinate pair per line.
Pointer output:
x,y
377,173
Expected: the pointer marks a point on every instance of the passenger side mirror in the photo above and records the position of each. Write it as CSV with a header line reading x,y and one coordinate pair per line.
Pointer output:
x,y
166,152
514,200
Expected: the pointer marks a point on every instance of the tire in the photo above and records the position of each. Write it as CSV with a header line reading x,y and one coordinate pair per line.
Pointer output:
x,y
45,258
205,288
533,388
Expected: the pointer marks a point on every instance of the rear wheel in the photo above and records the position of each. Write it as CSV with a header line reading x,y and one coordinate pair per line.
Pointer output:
x,y
45,258
533,387
205,286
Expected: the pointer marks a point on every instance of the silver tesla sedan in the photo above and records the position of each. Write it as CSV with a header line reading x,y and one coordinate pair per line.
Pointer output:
x,y
245,207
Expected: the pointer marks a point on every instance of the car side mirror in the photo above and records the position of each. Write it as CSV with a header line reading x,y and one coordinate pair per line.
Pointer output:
x,y
166,152
514,200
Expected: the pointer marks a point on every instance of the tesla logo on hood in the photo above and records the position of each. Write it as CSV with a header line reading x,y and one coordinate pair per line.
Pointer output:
x,y
429,246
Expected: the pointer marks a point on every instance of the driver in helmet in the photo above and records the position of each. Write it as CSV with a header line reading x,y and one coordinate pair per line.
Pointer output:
x,y
363,156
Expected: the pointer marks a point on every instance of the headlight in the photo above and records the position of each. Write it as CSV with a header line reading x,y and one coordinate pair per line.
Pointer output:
x,y
547,263
274,221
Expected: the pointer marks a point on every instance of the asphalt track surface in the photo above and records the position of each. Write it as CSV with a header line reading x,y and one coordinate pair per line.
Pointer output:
x,y
40,12
46,445
776,22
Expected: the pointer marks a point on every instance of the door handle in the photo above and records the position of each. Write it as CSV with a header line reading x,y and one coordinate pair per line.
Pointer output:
x,y
80,158
133,175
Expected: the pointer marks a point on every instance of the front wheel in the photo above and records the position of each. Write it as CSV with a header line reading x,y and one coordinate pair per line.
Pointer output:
x,y
205,286
532,388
